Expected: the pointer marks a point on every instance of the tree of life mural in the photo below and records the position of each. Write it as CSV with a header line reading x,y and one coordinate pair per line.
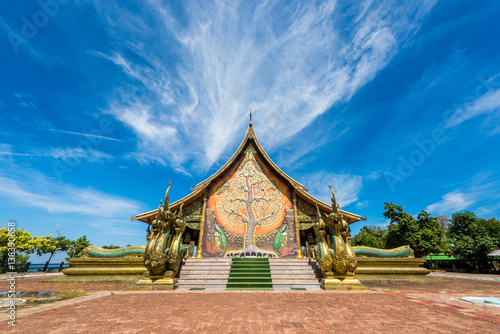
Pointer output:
x,y
250,203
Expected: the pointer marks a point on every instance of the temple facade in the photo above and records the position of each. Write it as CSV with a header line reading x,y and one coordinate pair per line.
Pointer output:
x,y
247,226
250,207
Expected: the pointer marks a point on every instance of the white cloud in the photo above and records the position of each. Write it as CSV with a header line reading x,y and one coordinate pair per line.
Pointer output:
x,y
191,82
62,198
489,102
85,134
77,154
346,186
480,194
363,204
25,100
65,154
375,175
451,202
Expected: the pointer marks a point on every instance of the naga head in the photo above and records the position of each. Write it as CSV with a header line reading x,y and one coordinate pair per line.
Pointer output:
x,y
320,223
165,202
336,214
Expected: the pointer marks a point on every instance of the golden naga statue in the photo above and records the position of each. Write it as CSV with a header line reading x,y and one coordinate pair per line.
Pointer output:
x,y
165,250
333,250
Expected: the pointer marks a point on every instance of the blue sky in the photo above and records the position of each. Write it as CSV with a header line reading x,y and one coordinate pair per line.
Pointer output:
x,y
103,102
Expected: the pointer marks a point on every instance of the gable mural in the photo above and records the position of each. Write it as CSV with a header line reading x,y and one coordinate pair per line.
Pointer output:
x,y
249,213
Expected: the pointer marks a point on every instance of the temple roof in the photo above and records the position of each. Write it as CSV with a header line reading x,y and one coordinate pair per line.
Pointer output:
x,y
250,136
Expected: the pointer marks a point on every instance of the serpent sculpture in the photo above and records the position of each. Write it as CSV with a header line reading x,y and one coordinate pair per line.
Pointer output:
x,y
403,251
165,250
130,251
333,250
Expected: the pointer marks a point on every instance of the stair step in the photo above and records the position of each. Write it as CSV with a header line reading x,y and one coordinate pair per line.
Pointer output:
x,y
291,267
213,267
190,276
250,279
296,276
201,281
204,272
295,281
254,285
243,270
251,274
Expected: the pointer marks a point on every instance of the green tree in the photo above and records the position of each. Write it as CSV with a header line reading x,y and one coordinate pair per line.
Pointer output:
x,y
423,234
76,249
25,244
444,222
473,238
54,245
370,236
110,246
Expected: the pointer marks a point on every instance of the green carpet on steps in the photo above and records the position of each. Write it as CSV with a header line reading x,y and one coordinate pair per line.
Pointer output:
x,y
249,273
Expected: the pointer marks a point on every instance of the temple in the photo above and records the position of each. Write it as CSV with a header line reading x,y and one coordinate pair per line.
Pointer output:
x,y
246,205
252,226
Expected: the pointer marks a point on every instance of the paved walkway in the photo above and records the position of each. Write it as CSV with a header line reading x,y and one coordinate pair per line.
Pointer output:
x,y
419,306
256,312
472,276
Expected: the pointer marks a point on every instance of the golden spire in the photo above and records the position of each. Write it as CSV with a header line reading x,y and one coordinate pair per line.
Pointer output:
x,y
250,124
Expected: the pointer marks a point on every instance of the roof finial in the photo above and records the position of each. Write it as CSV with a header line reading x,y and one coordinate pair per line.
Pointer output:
x,y
250,124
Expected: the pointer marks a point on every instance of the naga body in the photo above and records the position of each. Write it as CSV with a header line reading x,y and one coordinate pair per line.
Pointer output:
x,y
165,250
333,251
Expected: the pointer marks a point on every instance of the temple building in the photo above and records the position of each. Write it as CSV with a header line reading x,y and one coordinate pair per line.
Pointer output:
x,y
249,207
248,226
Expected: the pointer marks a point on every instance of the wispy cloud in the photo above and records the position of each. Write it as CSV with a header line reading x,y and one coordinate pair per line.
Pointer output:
x,y
451,202
64,154
480,194
78,154
346,186
489,102
85,134
62,198
25,100
192,81
363,204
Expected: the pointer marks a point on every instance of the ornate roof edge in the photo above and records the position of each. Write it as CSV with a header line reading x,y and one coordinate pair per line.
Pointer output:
x,y
199,189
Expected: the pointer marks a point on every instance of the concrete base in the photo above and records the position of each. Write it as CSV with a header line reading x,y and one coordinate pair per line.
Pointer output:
x,y
376,266
96,278
105,266
166,280
342,282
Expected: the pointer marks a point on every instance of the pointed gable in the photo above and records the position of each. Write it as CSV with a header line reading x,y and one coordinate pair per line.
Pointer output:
x,y
250,145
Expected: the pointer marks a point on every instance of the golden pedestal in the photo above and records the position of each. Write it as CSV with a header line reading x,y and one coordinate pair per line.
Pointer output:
x,y
199,254
341,282
167,281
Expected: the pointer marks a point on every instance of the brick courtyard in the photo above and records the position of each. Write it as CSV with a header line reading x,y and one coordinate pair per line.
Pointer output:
x,y
389,307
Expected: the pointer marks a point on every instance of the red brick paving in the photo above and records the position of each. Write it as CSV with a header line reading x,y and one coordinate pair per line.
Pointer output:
x,y
252,312
396,307
32,284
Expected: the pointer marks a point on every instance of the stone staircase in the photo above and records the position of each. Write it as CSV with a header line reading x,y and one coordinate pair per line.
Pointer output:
x,y
204,274
213,274
295,274
250,273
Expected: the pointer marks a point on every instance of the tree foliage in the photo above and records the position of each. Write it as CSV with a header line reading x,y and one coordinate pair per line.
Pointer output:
x,y
54,245
110,246
423,234
473,238
25,244
76,249
370,236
